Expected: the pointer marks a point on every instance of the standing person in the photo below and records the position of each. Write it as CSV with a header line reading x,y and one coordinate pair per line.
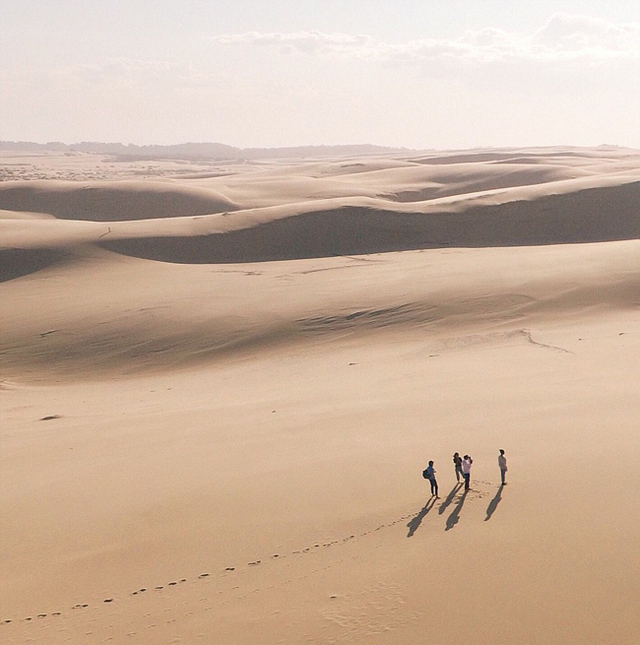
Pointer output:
x,y
457,464
431,476
466,470
502,464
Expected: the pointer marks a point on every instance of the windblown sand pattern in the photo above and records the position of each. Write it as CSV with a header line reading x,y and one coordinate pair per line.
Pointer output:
x,y
221,383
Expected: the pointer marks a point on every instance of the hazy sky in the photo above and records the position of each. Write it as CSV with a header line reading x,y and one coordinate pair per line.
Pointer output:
x,y
265,73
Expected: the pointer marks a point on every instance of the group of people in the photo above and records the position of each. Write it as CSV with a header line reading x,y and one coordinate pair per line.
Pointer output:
x,y
462,466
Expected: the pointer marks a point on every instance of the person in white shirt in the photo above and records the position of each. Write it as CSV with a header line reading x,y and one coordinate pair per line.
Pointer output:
x,y
502,464
466,470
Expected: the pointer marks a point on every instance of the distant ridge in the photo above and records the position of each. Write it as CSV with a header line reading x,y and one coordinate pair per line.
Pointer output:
x,y
213,151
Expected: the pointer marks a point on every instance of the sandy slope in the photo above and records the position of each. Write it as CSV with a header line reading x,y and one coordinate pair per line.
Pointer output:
x,y
244,440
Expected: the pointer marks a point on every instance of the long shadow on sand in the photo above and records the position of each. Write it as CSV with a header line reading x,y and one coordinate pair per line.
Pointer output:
x,y
417,520
450,497
493,504
454,518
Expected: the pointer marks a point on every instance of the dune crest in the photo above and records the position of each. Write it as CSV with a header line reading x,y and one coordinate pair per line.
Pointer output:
x,y
588,215
111,201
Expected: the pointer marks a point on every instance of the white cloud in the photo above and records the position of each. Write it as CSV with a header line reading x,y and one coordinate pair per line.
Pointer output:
x,y
309,42
571,33
563,38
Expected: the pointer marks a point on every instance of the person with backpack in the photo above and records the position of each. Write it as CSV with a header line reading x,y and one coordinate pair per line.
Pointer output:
x,y
466,470
430,474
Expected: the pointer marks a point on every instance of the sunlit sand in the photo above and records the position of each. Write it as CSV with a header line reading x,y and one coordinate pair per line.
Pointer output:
x,y
220,388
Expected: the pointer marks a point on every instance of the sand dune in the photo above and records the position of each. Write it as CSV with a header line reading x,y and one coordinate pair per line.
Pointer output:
x,y
589,209
123,335
589,215
18,262
225,444
110,201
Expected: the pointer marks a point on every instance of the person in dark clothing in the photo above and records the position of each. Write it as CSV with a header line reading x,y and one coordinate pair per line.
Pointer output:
x,y
457,464
502,464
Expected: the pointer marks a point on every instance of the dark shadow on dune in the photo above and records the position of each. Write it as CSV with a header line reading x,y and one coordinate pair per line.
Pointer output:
x,y
450,497
508,156
493,504
590,215
15,263
111,202
454,518
414,524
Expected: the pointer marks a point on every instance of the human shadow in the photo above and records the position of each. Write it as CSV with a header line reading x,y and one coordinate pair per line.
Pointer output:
x,y
450,497
417,520
454,518
493,504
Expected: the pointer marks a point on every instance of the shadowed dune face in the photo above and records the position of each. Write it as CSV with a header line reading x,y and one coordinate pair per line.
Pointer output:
x,y
591,215
324,209
531,156
111,201
15,263
458,179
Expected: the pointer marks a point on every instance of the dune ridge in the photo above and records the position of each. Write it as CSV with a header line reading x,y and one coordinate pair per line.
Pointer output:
x,y
589,215
560,212
110,201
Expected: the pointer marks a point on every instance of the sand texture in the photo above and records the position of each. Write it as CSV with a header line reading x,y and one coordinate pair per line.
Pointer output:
x,y
220,384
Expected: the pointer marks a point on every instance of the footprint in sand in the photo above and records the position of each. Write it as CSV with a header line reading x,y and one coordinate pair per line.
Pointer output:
x,y
451,521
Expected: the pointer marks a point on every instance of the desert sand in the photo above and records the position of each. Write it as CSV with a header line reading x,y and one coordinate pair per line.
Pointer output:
x,y
221,384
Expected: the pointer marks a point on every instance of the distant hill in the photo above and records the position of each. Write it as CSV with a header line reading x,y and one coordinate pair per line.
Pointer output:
x,y
212,151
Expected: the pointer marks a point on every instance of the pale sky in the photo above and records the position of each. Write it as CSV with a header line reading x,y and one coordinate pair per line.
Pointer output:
x,y
268,73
